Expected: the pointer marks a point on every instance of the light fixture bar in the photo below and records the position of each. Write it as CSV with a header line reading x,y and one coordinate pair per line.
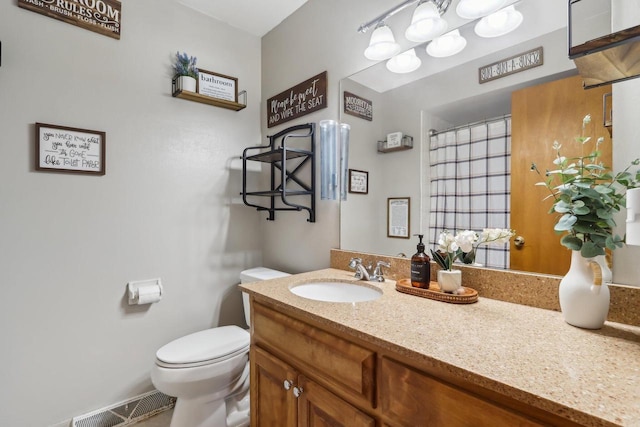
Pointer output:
x,y
389,13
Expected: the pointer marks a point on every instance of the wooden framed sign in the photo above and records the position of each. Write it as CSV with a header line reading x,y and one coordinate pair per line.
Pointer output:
x,y
217,85
398,215
358,181
65,149
100,16
302,99
514,64
357,106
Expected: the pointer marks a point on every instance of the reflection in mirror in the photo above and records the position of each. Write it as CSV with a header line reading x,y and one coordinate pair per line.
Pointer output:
x,y
444,93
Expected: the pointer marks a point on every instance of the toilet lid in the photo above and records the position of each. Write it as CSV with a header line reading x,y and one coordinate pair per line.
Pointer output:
x,y
207,345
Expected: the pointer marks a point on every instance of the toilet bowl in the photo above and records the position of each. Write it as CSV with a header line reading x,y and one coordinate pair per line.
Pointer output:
x,y
208,371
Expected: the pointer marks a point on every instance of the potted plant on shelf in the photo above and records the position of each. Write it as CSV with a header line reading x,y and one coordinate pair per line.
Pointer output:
x,y
186,71
586,195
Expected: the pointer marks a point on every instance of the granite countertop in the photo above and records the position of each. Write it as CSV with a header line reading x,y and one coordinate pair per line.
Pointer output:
x,y
530,354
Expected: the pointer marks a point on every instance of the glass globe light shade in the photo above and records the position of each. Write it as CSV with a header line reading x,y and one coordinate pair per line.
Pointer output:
x,y
499,23
405,62
426,23
382,44
474,9
447,45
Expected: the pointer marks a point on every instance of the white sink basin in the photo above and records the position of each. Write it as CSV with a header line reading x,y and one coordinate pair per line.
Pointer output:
x,y
336,291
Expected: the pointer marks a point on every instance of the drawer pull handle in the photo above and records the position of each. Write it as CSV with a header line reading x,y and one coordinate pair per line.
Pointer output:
x,y
297,391
287,384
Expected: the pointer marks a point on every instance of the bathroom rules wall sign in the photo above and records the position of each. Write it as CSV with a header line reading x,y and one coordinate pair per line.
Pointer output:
x,y
100,16
65,149
514,64
302,99
357,106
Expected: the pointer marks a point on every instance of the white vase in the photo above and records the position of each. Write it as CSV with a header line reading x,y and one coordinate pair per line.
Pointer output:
x,y
187,83
449,280
583,303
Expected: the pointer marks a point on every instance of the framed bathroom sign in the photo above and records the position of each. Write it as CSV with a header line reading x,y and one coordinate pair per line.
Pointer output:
x,y
358,181
67,149
398,217
217,85
100,16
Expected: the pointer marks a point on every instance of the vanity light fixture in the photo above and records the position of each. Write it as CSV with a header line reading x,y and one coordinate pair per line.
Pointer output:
x,y
499,23
474,9
447,45
405,62
382,44
426,23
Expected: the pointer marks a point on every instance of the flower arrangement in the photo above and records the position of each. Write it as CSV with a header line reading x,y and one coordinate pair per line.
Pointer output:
x,y
185,65
586,195
464,245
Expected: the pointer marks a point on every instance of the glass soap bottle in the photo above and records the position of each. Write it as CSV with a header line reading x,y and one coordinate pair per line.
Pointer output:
x,y
420,267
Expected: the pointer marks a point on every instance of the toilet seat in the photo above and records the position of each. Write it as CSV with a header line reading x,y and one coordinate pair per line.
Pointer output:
x,y
204,347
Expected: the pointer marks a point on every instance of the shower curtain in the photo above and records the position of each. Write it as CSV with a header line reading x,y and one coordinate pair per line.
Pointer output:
x,y
470,183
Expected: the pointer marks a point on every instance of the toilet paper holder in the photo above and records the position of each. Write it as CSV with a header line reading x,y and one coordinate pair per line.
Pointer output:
x,y
145,291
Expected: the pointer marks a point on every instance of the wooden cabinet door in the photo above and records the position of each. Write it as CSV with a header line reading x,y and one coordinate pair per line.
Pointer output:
x,y
272,404
318,407
541,115
410,398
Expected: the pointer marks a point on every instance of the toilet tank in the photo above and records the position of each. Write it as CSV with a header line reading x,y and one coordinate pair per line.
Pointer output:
x,y
255,275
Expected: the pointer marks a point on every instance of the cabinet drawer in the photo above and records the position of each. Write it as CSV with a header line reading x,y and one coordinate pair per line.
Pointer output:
x,y
336,362
410,398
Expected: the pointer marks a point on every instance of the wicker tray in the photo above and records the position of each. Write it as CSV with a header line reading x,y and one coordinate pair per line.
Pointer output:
x,y
468,296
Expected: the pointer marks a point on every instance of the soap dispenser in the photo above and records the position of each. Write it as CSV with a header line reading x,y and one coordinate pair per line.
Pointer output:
x,y
420,267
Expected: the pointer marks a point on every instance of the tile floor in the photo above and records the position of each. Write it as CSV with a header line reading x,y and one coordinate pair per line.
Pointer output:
x,y
163,419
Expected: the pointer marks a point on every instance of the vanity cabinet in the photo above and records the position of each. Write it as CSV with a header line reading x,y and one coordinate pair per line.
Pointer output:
x,y
306,377
308,374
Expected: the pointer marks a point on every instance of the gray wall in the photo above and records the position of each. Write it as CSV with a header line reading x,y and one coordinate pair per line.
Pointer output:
x,y
70,243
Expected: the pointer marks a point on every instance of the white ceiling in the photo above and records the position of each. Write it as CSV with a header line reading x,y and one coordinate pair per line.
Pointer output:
x,y
256,17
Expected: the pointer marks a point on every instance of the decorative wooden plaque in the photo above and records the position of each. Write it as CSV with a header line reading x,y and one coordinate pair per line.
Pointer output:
x,y
515,64
357,106
100,16
302,99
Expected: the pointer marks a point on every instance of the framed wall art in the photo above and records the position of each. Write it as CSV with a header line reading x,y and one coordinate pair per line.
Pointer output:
x,y
358,181
398,217
67,149
217,85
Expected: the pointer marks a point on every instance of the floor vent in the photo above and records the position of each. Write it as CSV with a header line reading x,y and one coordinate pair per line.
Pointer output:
x,y
128,412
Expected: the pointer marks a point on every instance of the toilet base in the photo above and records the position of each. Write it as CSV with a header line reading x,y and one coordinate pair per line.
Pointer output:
x,y
226,408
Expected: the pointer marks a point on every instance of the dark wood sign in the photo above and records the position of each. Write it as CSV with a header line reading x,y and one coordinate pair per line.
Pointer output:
x,y
303,98
357,106
523,61
101,16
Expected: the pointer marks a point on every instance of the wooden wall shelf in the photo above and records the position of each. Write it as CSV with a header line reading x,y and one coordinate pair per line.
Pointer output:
x,y
196,97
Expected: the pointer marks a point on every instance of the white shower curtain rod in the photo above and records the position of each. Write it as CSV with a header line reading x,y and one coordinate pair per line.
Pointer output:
x,y
433,132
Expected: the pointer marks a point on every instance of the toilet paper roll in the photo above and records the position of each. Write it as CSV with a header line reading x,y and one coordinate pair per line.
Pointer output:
x,y
144,292
148,294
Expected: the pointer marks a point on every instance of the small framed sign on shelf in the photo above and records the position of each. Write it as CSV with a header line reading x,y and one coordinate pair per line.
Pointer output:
x,y
217,85
66,149
358,181
398,217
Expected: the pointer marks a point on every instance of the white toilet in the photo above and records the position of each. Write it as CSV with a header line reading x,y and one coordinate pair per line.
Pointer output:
x,y
208,371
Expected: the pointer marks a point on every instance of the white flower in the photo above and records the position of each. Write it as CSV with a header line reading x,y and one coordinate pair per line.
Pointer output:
x,y
465,240
586,120
496,235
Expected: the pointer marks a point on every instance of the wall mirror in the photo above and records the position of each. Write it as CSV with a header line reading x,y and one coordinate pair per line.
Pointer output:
x,y
444,93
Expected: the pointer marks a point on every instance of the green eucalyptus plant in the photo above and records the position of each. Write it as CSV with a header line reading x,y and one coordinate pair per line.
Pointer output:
x,y
586,196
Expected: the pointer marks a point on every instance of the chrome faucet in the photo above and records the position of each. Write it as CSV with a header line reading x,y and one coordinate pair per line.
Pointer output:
x,y
364,273
361,271
377,273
